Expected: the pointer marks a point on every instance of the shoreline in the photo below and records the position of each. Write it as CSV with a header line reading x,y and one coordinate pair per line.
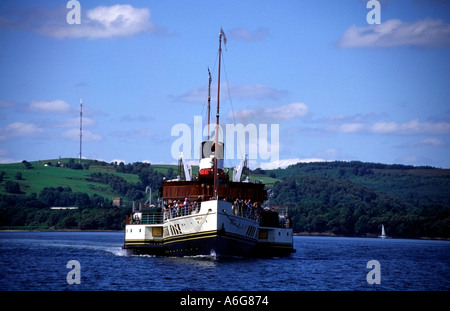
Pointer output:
x,y
304,233
58,230
330,234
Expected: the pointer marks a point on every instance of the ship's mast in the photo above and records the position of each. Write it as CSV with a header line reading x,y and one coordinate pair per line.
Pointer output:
x,y
81,127
209,100
216,141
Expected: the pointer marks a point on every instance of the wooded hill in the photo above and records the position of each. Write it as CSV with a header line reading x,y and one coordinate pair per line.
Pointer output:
x,y
355,198
342,198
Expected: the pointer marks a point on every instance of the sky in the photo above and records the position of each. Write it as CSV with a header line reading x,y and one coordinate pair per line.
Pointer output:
x,y
327,84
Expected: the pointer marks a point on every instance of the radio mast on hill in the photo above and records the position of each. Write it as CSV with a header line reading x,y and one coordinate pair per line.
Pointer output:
x,y
81,127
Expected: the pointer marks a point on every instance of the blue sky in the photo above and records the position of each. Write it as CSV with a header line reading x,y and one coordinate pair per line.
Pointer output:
x,y
339,88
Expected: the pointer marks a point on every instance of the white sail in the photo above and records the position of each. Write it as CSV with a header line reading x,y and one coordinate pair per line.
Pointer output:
x,y
383,233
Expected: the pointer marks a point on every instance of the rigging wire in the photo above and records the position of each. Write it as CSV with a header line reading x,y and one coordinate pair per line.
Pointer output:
x,y
205,101
213,71
212,80
231,103
228,88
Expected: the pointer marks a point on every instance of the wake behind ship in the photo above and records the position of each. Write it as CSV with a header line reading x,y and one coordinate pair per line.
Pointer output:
x,y
210,214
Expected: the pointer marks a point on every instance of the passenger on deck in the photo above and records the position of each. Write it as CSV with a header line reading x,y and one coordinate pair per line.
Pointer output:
x,y
185,207
248,212
178,208
173,211
194,208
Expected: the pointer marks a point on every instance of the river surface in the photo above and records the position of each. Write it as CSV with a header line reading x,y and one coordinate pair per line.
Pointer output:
x,y
37,261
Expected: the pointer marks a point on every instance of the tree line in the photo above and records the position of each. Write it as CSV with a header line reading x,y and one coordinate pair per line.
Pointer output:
x,y
326,205
94,211
33,212
343,198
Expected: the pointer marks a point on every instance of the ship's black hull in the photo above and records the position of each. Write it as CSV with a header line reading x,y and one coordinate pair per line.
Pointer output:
x,y
272,250
217,244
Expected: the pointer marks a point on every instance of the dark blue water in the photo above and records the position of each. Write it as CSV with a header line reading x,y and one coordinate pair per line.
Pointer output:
x,y
37,261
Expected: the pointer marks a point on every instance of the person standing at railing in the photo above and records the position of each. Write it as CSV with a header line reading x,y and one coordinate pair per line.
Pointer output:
x,y
186,206
249,209
166,212
178,208
173,211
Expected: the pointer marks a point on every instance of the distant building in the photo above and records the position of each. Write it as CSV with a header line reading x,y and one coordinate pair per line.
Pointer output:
x,y
117,202
63,207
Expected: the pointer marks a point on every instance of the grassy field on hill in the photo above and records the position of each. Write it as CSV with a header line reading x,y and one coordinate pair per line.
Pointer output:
x,y
39,176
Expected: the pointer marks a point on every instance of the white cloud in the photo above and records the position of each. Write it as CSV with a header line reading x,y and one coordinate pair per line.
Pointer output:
x,y
286,162
350,127
75,122
428,142
290,111
19,129
139,118
74,134
246,91
294,110
412,127
118,161
256,91
427,33
120,20
195,95
243,34
115,21
142,133
55,106
384,127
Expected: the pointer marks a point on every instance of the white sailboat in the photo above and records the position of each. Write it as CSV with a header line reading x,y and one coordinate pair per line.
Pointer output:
x,y
383,233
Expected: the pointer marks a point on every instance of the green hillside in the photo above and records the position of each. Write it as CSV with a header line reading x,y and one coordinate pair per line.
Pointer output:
x,y
415,185
39,175
343,198
28,189
33,177
355,198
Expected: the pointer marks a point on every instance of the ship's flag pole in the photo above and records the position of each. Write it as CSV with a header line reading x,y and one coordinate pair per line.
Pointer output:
x,y
216,143
81,127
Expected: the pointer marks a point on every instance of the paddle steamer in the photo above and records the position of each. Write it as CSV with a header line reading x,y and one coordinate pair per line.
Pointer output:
x,y
210,214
